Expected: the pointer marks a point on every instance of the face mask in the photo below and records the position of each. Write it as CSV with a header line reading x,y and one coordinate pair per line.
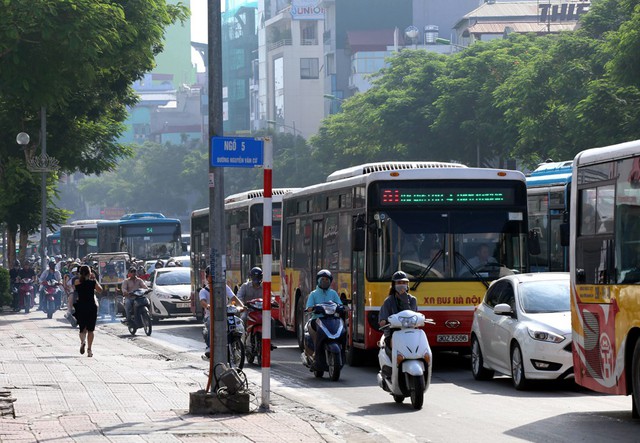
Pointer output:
x,y
402,288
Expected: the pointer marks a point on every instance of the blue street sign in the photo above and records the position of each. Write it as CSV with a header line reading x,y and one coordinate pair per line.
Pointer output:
x,y
236,152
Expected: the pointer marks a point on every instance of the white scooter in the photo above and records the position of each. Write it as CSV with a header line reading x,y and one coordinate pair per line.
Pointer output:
x,y
405,369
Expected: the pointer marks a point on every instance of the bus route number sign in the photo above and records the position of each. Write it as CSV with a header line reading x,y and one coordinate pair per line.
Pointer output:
x,y
236,152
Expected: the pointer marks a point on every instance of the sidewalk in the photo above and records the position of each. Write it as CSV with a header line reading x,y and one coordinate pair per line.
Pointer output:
x,y
130,393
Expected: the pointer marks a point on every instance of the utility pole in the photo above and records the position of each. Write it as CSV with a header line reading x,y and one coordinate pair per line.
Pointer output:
x,y
216,188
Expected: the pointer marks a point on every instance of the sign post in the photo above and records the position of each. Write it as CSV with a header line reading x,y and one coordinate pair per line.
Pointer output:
x,y
246,152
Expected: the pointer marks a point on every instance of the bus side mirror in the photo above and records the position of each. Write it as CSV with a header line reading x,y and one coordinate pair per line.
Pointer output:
x,y
359,234
534,242
564,234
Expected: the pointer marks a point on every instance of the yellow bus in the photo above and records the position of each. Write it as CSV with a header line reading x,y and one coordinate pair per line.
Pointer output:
x,y
427,219
605,269
243,231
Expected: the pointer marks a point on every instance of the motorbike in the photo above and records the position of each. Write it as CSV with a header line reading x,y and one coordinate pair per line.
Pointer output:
x,y
51,294
253,336
235,331
327,351
23,295
407,373
140,317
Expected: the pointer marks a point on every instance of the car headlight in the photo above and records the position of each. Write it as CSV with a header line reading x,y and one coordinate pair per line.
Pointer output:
x,y
163,295
550,337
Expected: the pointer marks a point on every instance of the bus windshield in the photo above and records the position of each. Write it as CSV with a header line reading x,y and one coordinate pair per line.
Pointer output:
x,y
155,242
457,244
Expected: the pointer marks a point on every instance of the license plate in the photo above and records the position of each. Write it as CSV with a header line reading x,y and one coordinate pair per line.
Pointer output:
x,y
452,338
183,305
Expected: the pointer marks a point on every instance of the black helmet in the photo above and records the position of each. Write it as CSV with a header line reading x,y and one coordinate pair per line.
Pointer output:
x,y
256,274
16,263
159,264
399,276
324,273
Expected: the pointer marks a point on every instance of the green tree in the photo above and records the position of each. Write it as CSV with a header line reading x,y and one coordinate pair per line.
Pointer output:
x,y
391,121
469,125
166,178
77,59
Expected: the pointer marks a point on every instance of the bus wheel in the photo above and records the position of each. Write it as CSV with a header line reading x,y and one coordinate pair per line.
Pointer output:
x,y
635,381
300,323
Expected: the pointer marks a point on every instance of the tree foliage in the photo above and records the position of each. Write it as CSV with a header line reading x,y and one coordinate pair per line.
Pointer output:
x,y
525,96
76,60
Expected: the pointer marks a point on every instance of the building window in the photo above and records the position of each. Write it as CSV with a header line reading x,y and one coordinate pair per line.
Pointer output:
x,y
309,68
308,32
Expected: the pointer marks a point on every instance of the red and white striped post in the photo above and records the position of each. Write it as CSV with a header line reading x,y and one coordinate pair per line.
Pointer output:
x,y
266,264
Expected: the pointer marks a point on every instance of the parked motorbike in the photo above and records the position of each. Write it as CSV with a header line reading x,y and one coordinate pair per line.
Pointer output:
x,y
324,347
253,336
139,317
407,373
52,295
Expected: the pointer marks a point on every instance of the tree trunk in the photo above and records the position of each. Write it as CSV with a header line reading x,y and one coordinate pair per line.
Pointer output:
x,y
11,246
24,245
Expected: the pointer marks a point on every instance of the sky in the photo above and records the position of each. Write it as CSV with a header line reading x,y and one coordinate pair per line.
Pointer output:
x,y
199,21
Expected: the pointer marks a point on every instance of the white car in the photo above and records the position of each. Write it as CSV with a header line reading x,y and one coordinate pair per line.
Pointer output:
x,y
522,328
170,294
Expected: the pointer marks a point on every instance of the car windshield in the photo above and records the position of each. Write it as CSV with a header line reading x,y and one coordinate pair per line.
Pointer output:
x,y
174,277
545,296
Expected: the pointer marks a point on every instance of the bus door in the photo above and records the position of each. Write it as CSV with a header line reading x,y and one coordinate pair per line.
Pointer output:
x,y
357,285
316,250
248,247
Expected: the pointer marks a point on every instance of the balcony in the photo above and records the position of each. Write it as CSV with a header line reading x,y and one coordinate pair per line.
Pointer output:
x,y
279,43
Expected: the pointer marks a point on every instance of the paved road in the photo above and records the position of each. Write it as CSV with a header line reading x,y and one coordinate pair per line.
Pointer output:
x,y
457,408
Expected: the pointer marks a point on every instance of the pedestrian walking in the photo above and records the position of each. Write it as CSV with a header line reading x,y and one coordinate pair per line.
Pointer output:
x,y
86,307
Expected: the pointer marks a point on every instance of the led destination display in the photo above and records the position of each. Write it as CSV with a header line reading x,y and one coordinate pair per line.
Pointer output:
x,y
446,196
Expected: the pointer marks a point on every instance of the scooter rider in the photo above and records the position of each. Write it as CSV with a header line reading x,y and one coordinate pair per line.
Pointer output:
x,y
250,290
50,274
398,300
130,284
321,294
203,295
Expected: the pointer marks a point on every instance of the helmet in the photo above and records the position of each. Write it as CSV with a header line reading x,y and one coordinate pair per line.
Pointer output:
x,y
324,273
52,263
16,263
256,274
399,276
171,264
207,271
159,264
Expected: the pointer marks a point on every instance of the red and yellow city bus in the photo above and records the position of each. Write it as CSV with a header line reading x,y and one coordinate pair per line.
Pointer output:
x,y
425,218
605,269
243,231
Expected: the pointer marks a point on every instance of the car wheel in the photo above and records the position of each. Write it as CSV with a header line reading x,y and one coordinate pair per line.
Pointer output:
x,y
477,362
518,376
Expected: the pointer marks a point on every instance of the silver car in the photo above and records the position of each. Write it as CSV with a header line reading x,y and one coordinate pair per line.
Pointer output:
x,y
522,328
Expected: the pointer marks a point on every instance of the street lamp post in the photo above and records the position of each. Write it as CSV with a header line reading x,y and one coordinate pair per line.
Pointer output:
x,y
42,163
